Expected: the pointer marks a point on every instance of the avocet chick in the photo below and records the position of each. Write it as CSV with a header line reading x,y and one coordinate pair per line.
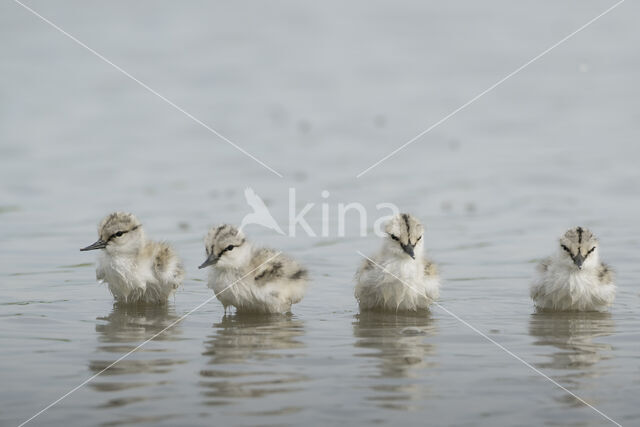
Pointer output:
x,y
251,279
574,279
402,256
135,269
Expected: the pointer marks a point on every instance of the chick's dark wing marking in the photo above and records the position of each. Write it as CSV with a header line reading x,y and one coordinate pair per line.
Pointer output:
x,y
605,274
430,268
271,268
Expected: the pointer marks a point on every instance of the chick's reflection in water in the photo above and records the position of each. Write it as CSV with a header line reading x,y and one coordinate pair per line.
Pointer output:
x,y
575,350
240,349
126,327
399,347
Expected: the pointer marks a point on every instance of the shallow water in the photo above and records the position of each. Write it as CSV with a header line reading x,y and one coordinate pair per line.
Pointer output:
x,y
318,92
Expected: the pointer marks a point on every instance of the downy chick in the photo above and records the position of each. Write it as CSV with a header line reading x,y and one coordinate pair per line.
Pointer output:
x,y
402,256
574,279
251,279
135,269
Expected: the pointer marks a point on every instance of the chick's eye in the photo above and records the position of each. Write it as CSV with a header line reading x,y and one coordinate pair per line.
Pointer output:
x,y
394,237
119,233
229,248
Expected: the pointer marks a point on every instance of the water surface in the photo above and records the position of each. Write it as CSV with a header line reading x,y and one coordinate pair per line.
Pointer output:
x,y
318,91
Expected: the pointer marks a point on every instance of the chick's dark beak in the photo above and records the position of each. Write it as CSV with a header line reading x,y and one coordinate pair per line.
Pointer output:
x,y
409,250
211,260
100,244
578,260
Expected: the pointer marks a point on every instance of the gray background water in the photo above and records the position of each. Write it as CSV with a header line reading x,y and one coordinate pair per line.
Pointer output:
x,y
319,91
